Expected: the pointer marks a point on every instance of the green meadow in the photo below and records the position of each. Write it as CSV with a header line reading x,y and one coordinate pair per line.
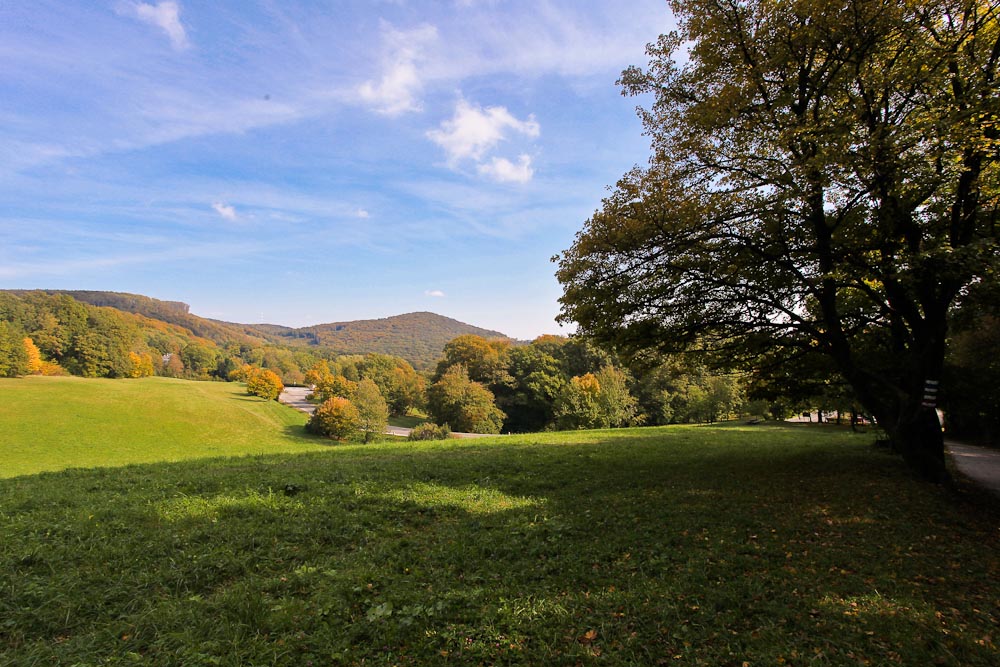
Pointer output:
x,y
721,545
53,423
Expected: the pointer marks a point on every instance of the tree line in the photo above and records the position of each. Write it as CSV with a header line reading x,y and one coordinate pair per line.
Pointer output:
x,y
78,338
553,383
478,385
493,385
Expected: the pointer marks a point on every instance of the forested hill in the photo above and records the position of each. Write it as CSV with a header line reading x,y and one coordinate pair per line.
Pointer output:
x,y
417,337
171,312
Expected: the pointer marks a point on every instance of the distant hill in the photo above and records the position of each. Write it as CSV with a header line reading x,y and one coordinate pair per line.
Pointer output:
x,y
171,312
417,337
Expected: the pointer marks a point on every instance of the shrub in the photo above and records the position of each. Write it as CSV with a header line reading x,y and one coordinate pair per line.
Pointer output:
x,y
429,431
335,418
264,383
51,368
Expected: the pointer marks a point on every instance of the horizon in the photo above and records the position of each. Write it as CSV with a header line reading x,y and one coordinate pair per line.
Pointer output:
x,y
191,311
301,164
368,319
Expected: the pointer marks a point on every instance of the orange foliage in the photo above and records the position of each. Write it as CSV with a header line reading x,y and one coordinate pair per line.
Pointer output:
x,y
142,364
51,368
34,356
588,383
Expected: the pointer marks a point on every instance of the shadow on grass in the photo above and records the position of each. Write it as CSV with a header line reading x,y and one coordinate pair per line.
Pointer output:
x,y
299,432
621,548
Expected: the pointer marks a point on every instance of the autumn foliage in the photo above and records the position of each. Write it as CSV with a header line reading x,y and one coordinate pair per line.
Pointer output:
x,y
264,383
335,418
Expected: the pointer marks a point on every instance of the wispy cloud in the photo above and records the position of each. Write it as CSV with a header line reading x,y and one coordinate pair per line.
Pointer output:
x,y
505,171
398,88
164,15
57,266
473,131
554,38
225,210
307,119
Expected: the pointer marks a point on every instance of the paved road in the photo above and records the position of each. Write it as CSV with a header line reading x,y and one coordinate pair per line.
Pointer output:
x,y
979,464
296,397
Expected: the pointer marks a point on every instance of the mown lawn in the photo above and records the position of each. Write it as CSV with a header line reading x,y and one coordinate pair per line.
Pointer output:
x,y
63,422
665,546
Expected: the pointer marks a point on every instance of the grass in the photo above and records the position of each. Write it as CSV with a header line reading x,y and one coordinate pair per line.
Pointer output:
x,y
53,423
407,421
758,545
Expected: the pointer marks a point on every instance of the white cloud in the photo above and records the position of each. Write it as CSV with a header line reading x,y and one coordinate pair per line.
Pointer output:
x,y
473,131
164,15
505,171
434,292
362,213
225,210
400,85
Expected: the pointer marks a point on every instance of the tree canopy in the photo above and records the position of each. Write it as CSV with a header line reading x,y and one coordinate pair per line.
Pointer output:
x,y
463,404
372,409
824,181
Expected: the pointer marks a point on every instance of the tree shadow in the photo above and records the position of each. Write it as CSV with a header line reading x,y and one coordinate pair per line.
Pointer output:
x,y
622,549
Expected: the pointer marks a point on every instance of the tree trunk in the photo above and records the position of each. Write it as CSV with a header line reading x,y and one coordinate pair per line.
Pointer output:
x,y
913,428
918,436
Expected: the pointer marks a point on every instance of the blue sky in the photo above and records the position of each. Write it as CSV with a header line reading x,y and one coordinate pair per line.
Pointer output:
x,y
301,162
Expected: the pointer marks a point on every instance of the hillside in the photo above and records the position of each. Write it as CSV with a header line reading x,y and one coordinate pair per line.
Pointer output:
x,y
53,423
417,337
172,312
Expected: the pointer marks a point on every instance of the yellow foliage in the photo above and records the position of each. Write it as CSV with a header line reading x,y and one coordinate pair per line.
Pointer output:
x,y
264,383
142,364
50,368
588,383
34,356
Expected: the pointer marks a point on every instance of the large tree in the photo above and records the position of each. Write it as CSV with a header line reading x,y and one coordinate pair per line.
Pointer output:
x,y
824,180
462,404
372,409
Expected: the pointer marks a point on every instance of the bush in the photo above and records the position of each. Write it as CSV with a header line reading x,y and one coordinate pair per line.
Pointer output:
x,y
51,368
335,418
264,383
429,431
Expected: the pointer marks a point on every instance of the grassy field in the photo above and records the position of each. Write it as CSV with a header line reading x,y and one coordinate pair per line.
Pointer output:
x,y
666,546
53,423
407,421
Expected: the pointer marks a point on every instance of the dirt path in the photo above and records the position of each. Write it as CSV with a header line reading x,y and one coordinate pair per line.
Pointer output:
x,y
980,464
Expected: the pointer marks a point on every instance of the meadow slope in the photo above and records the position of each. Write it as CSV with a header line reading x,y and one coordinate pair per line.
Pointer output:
x,y
53,423
661,546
